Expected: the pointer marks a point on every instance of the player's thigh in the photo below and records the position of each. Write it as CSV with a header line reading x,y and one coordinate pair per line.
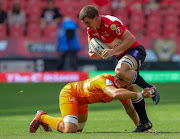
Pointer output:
x,y
126,63
82,117
134,58
69,110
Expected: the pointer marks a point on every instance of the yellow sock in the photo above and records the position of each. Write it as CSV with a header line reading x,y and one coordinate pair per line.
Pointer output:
x,y
52,121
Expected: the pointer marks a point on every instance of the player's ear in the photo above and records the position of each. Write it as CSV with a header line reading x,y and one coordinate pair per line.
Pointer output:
x,y
116,81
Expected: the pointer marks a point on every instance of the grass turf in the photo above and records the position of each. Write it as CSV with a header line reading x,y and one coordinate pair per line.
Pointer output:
x,y
19,103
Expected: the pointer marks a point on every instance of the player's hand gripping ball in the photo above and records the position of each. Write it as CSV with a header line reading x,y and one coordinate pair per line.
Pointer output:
x,y
97,46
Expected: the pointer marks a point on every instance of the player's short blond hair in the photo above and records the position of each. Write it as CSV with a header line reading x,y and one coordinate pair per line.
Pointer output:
x,y
88,11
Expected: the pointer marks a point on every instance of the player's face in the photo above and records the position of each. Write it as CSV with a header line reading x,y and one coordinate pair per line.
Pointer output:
x,y
91,23
122,83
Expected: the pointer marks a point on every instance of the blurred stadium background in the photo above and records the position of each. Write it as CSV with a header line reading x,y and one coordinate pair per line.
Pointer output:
x,y
28,48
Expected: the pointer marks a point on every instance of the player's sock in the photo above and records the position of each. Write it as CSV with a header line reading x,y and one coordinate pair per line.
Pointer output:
x,y
137,79
139,106
52,121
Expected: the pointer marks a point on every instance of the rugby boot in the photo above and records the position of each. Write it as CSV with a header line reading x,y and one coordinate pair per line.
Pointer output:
x,y
36,122
46,127
143,127
156,98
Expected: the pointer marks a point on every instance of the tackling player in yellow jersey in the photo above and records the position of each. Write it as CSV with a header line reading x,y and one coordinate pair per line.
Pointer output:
x,y
75,97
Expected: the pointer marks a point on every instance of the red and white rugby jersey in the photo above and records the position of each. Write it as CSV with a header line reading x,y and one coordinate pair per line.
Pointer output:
x,y
110,32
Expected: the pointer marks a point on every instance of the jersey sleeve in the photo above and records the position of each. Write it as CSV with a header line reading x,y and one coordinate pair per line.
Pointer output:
x,y
105,82
124,101
108,81
117,29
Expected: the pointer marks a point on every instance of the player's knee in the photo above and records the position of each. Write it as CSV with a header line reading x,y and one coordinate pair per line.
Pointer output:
x,y
67,128
60,126
125,64
70,124
120,73
70,130
81,126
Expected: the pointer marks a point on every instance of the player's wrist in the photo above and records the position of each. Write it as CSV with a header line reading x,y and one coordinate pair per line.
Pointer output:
x,y
113,52
139,95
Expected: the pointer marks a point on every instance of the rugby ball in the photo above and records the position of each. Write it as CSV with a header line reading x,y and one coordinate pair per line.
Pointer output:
x,y
97,45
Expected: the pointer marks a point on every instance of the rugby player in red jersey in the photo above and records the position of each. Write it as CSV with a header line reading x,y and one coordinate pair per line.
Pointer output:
x,y
75,97
130,54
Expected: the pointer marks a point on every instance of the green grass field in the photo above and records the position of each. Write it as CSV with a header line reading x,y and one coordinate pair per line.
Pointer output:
x,y
19,103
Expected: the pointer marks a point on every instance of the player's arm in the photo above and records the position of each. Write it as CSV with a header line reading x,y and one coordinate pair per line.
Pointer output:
x,y
128,107
122,93
128,40
92,53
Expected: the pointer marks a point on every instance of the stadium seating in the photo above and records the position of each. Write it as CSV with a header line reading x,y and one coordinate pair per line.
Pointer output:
x,y
3,32
177,6
170,24
145,41
137,22
33,19
81,25
33,30
50,31
36,10
83,41
23,4
67,10
154,24
159,23
5,5
105,10
122,15
16,31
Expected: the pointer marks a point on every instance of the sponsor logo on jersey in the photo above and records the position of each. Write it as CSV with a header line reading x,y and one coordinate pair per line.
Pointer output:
x,y
106,25
106,34
117,44
119,30
109,82
72,99
135,53
95,34
102,37
113,27
139,63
